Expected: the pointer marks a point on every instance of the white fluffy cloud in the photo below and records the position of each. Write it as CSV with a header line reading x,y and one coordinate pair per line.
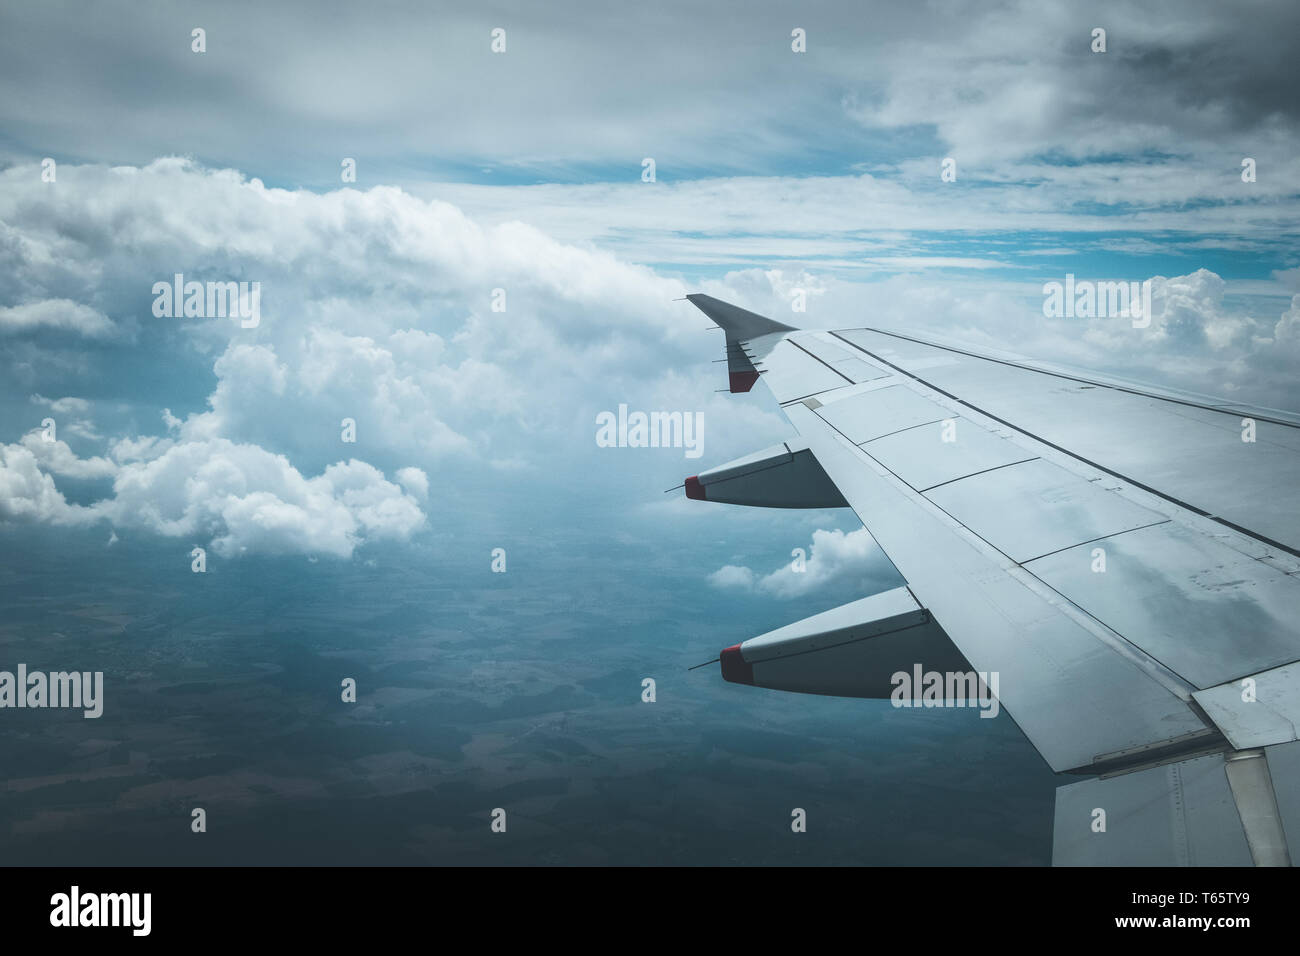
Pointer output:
x,y
237,498
28,494
1187,313
58,458
835,558
731,577
1287,331
244,498
376,307
414,482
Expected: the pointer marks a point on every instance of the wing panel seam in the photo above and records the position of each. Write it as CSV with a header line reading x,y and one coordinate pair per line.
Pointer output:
x,y
1075,455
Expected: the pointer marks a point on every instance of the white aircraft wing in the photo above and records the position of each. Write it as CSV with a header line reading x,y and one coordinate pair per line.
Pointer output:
x,y
1117,563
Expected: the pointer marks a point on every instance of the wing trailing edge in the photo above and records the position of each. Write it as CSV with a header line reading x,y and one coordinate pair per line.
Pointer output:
x,y
1229,808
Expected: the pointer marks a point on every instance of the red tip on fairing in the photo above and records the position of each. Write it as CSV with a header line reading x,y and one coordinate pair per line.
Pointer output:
x,y
734,667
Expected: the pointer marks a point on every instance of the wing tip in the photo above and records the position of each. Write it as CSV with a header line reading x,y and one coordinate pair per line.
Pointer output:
x,y
737,322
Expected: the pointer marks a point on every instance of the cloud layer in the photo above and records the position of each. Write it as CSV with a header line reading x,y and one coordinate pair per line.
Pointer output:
x,y
398,335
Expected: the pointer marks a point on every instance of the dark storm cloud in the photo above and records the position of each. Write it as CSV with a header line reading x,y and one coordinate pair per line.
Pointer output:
x,y
1242,68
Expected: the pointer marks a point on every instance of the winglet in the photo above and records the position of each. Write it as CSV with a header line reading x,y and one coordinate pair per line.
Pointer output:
x,y
737,322
739,325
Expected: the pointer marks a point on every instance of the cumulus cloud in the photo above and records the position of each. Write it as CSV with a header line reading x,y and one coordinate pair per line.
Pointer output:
x,y
143,448
244,498
1187,314
1287,331
240,498
58,458
377,309
28,495
375,305
732,577
414,481
835,559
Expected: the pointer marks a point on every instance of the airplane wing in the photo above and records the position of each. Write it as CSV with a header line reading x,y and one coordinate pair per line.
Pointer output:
x,y
1117,564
